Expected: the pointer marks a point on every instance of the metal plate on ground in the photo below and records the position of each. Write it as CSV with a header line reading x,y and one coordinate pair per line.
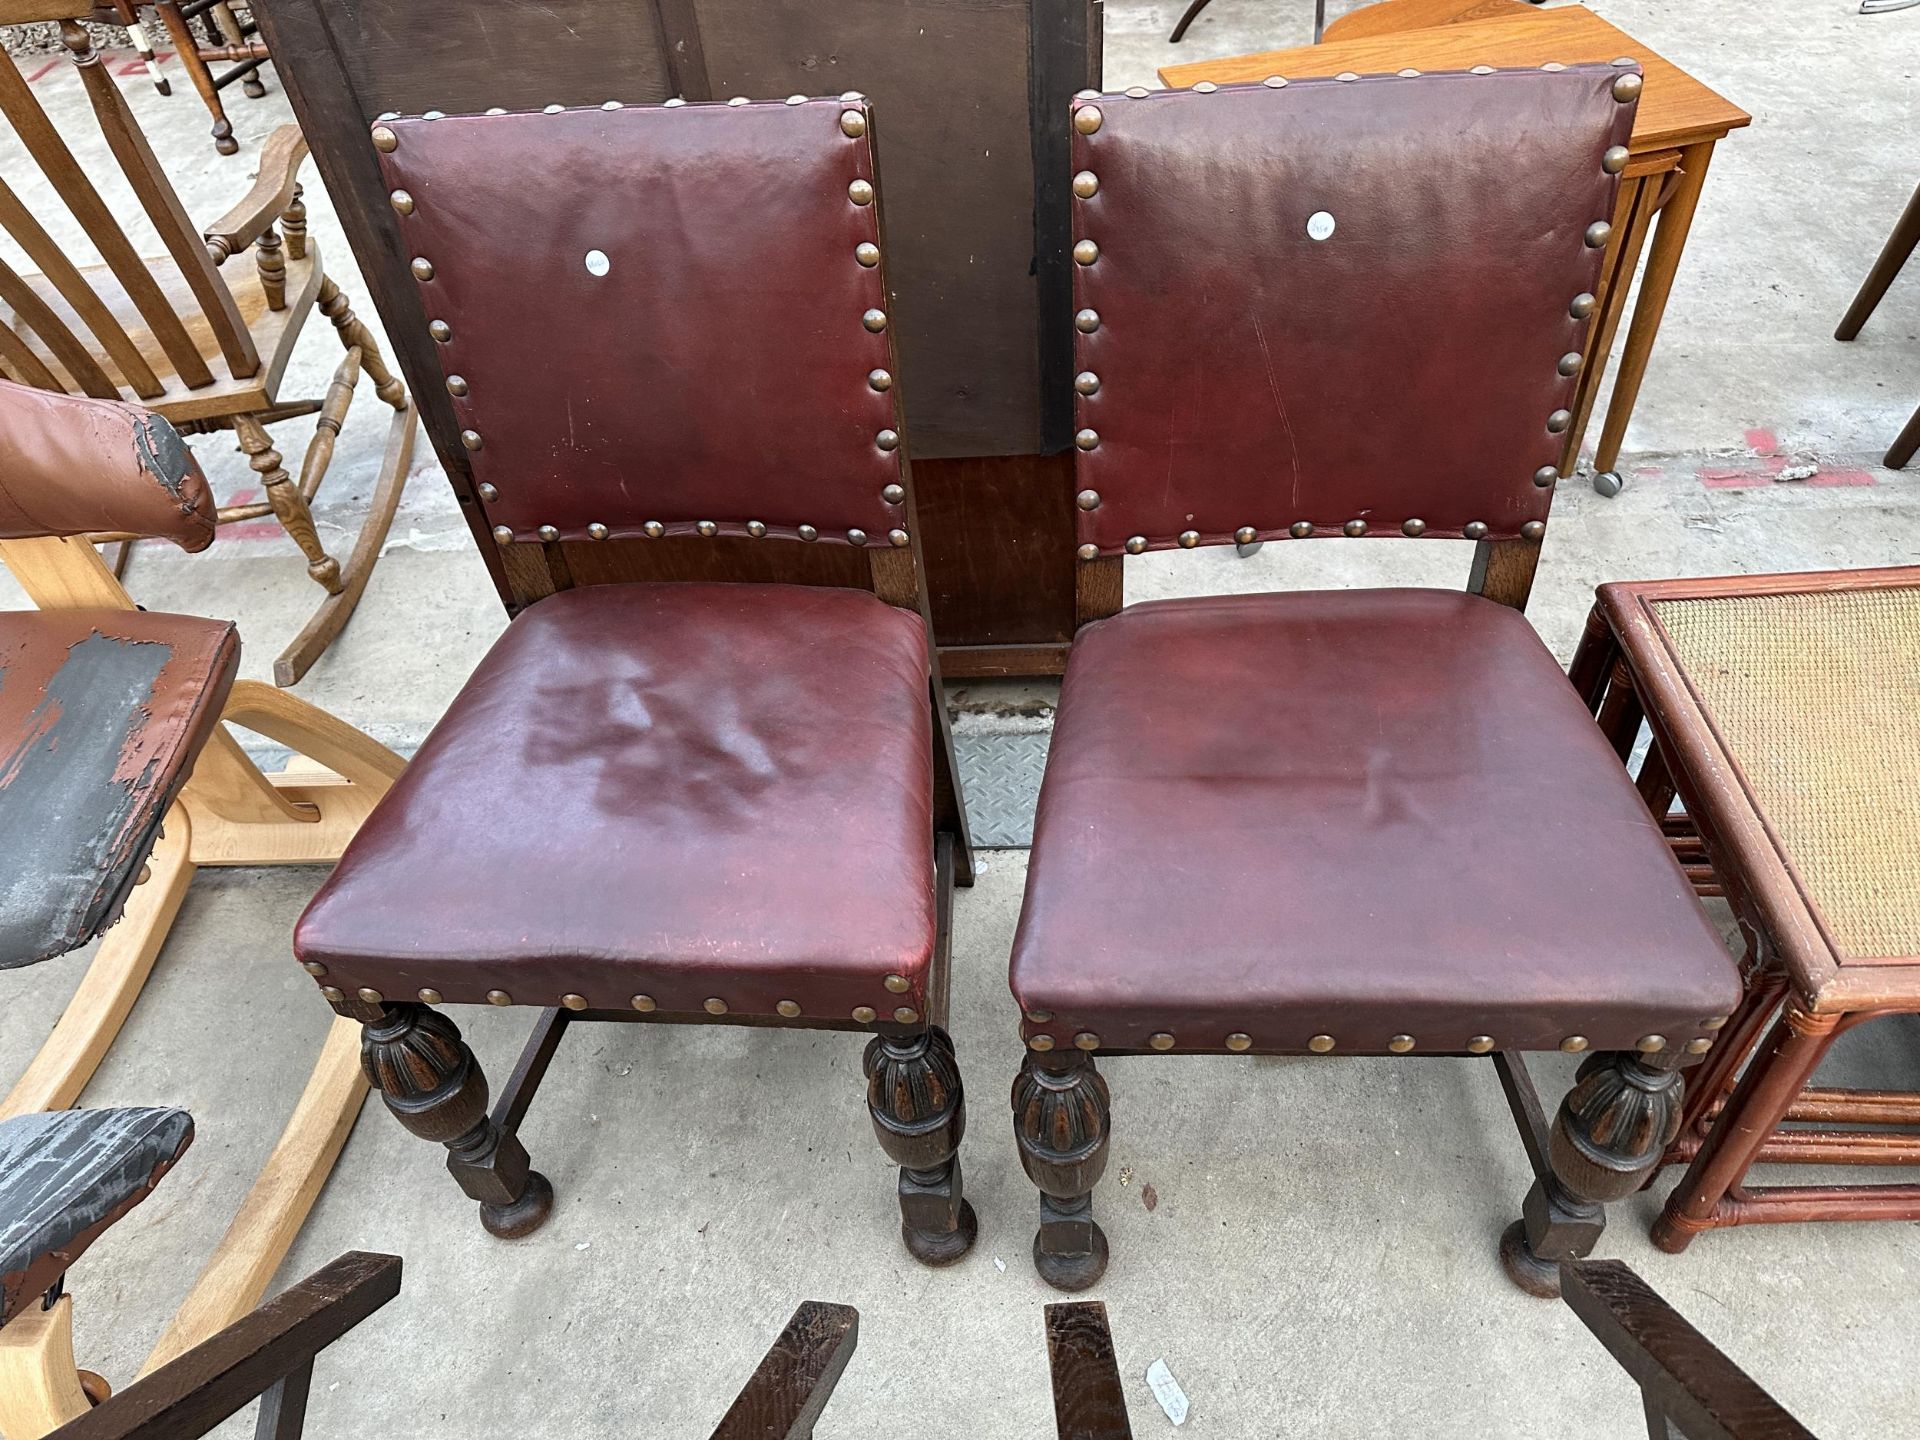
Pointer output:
x,y
1000,777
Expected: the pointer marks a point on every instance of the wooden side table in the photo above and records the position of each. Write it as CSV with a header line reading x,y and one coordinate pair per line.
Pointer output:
x,y
1785,712
1679,122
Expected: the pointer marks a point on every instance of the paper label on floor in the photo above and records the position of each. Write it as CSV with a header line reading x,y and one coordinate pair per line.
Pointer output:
x,y
1167,1391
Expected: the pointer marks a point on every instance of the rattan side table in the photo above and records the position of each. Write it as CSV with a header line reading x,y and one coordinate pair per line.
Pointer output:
x,y
1785,714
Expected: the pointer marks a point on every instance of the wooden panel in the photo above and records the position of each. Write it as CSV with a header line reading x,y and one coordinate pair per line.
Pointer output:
x,y
1675,109
997,537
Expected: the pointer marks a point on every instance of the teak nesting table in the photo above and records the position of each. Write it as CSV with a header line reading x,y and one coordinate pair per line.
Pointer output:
x,y
1785,712
1679,122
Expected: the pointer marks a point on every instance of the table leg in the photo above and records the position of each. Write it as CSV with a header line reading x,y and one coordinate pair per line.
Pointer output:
x,y
1663,263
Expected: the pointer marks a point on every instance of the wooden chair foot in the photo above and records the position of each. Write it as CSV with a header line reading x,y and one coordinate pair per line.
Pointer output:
x,y
1539,1278
516,1218
223,140
1062,1124
919,1112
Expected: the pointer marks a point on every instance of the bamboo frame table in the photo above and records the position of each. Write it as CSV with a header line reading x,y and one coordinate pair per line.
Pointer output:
x,y
1785,712
1680,120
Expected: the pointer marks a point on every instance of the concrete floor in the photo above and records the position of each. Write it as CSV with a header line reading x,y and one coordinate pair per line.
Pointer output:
x,y
1320,1259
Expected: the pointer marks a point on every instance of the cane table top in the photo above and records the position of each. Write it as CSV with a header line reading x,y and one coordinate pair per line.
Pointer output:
x,y
1789,708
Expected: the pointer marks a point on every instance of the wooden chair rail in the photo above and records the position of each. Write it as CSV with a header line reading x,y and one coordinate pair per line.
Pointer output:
x,y
268,1354
795,1380
1692,1390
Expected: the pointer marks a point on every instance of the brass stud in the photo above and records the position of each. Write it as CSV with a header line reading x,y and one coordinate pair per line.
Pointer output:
x,y
1597,234
1650,1044
1086,252
1039,1017
738,100
643,1003
574,1002
1189,539
1546,476
1355,527
1087,119
1559,420
1582,306
1615,159
440,330
1086,94
471,439
1400,1044
1570,363
1553,67
433,114
867,253
757,529
1574,1044
333,993
899,539
1086,383
1160,1040
313,967
714,1005
898,984
851,97
1620,62
879,380
1086,1040
1533,529
456,384
499,997
146,874
1346,77
1138,92
611,105
708,528
1320,1044
596,531
1086,321
495,110
1700,1046
384,139
1136,544
1713,1022
1205,87
1626,88
371,995
864,1014
852,124
549,533
401,201
1413,527
1407,74
860,192
1239,1040
1086,439
503,534
1481,70
1086,184
1040,1042
1088,552
788,1008
422,268
1474,530
674,104
796,99
1275,82
874,320
553,109
653,529
1479,1044
1246,535
906,1015
894,494
1300,529
856,537
808,532
887,439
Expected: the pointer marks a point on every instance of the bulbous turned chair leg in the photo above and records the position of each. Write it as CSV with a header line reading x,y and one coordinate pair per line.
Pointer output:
x,y
1061,1121
919,1113
431,1082
1608,1136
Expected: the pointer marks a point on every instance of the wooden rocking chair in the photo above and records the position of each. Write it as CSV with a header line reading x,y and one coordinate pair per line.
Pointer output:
x,y
197,344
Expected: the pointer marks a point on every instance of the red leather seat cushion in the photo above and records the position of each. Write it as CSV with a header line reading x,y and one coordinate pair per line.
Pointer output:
x,y
1361,814
683,791
102,713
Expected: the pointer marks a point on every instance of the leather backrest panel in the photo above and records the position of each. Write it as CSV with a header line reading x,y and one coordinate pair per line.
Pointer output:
x,y
1336,300
71,465
655,315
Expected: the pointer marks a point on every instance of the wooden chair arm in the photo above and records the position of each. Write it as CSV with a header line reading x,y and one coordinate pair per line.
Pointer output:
x,y
271,194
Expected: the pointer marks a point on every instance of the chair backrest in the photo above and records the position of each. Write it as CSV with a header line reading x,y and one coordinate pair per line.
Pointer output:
x,y
70,465
144,331
661,321
1336,307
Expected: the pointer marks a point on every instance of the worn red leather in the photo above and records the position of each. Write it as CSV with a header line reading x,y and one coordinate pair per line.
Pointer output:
x,y
1402,368
101,715
1361,814
680,791
70,465
717,371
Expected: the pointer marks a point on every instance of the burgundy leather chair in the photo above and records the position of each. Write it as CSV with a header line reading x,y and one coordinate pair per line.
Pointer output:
x,y
1373,822
666,801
